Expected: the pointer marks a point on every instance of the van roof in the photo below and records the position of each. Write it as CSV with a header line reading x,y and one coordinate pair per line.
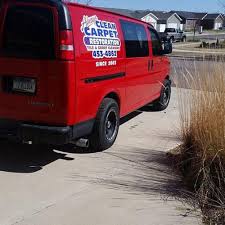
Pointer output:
x,y
63,11
73,2
64,21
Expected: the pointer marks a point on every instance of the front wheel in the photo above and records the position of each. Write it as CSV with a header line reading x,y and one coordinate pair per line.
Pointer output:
x,y
164,99
184,39
106,126
172,40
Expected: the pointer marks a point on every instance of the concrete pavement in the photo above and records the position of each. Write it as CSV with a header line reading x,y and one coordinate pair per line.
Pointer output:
x,y
130,184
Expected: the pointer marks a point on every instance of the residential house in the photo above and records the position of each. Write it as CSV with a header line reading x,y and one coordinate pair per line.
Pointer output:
x,y
213,21
191,20
183,20
162,20
159,20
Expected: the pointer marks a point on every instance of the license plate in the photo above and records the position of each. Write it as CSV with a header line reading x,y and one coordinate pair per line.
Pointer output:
x,y
26,85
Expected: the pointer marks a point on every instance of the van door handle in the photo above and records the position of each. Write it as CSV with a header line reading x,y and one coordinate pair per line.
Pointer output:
x,y
149,65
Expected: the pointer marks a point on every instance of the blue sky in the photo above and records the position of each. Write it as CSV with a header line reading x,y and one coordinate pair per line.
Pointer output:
x,y
191,5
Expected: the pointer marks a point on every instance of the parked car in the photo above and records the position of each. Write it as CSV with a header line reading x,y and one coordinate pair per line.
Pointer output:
x,y
173,35
69,72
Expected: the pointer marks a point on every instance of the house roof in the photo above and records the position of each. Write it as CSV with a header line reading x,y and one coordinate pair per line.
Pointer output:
x,y
138,14
126,12
213,16
190,15
161,16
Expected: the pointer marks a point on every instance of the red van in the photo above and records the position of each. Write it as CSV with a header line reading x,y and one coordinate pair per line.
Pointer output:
x,y
69,72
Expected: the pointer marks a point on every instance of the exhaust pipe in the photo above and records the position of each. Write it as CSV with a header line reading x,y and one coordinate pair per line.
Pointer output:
x,y
82,143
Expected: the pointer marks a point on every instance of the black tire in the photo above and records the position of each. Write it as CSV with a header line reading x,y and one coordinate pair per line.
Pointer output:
x,y
184,39
172,40
106,126
163,101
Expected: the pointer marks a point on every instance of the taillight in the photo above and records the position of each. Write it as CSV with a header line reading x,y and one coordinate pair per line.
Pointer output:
x,y
66,46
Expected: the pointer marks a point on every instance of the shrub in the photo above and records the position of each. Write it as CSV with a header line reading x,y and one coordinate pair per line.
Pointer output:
x,y
202,117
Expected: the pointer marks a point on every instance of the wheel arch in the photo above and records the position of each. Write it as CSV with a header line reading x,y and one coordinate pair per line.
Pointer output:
x,y
114,95
168,78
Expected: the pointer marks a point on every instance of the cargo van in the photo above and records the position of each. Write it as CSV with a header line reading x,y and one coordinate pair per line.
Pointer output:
x,y
69,72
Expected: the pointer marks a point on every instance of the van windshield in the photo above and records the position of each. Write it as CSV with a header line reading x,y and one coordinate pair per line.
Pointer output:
x,y
28,33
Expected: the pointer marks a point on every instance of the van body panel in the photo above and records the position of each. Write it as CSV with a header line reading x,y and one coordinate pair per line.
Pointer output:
x,y
69,92
55,83
90,95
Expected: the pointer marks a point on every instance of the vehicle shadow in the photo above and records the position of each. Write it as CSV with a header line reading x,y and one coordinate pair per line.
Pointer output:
x,y
130,116
18,158
70,148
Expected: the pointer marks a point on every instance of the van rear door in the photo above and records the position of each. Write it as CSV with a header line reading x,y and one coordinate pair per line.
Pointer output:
x,y
32,75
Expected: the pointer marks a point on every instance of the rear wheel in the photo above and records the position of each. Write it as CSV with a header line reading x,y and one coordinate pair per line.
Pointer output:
x,y
106,126
163,101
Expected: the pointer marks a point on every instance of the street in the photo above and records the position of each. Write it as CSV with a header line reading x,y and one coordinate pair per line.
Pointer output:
x,y
131,183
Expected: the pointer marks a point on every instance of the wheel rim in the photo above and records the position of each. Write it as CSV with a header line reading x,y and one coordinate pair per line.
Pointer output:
x,y
166,95
111,125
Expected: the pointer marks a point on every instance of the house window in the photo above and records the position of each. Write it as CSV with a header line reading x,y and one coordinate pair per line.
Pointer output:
x,y
136,40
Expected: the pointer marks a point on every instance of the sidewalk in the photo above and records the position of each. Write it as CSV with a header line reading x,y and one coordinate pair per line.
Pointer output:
x,y
132,183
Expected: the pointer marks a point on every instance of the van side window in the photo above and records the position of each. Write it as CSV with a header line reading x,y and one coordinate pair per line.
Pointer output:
x,y
156,43
136,40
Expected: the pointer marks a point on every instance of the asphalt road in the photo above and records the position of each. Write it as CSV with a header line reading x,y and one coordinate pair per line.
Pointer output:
x,y
132,183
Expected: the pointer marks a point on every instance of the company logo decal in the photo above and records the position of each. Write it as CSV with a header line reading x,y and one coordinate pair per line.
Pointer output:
x,y
100,37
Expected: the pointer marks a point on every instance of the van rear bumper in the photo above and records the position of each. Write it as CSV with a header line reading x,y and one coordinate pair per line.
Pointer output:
x,y
43,134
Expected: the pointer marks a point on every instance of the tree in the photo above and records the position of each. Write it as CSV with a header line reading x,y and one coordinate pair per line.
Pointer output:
x,y
197,23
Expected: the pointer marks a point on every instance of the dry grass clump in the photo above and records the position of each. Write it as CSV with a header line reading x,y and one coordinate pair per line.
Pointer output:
x,y
202,116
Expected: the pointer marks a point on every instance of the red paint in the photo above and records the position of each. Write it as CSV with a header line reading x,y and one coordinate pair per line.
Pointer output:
x,y
63,97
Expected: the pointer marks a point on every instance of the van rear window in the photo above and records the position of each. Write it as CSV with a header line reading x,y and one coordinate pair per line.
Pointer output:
x,y
28,33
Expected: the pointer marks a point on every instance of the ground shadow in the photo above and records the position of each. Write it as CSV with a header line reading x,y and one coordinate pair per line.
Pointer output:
x,y
152,173
142,171
18,158
130,116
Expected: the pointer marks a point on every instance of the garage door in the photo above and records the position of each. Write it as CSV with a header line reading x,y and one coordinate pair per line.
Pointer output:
x,y
218,25
162,27
172,25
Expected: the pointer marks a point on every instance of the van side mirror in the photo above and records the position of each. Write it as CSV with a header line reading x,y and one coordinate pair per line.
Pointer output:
x,y
167,48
